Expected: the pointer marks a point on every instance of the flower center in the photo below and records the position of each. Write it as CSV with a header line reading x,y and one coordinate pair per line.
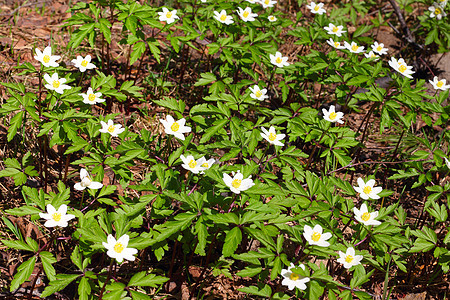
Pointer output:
x,y
192,164
333,116
335,29
236,183
56,216
272,137
367,190
316,8
437,11
46,58
337,44
84,63
91,97
245,14
169,15
223,18
118,247
86,181
315,236
266,2
294,276
379,48
349,259
259,94
402,68
205,165
278,60
355,47
111,128
365,216
175,126
439,84
56,84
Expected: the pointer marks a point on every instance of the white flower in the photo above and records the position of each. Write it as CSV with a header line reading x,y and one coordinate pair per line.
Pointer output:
x,y
367,190
316,8
271,136
118,249
371,55
279,60
332,116
337,30
55,83
437,11
379,48
362,215
353,47
168,16
268,3
46,58
253,1
111,128
314,236
442,3
292,279
86,181
190,164
258,94
83,63
237,183
349,259
401,67
246,14
176,128
222,17
56,217
205,164
447,162
91,98
439,84
272,18
335,44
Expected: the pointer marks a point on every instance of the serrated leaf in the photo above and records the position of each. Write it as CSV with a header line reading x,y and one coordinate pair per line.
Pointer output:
x,y
152,280
232,241
62,280
24,272
48,259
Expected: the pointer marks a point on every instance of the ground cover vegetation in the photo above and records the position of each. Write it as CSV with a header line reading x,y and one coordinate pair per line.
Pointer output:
x,y
237,149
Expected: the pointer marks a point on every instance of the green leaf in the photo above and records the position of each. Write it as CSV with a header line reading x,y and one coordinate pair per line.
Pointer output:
x,y
23,211
232,241
24,272
14,125
249,271
48,259
421,245
265,291
152,280
205,78
138,50
19,245
62,280
104,26
84,288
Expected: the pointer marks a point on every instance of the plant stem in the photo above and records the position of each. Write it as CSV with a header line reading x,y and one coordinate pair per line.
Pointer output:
x,y
107,279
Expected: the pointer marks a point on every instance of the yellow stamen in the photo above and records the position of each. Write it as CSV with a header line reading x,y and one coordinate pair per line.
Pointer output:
x,y
402,68
379,48
258,94
335,29
111,128
266,2
169,15
349,259
278,60
439,84
337,44
205,165
223,17
236,183
437,11
316,236
333,116
84,63
245,14
355,47
91,97
316,8
46,58
56,216
365,216
192,164
118,247
294,276
272,137
56,84
175,126
367,190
